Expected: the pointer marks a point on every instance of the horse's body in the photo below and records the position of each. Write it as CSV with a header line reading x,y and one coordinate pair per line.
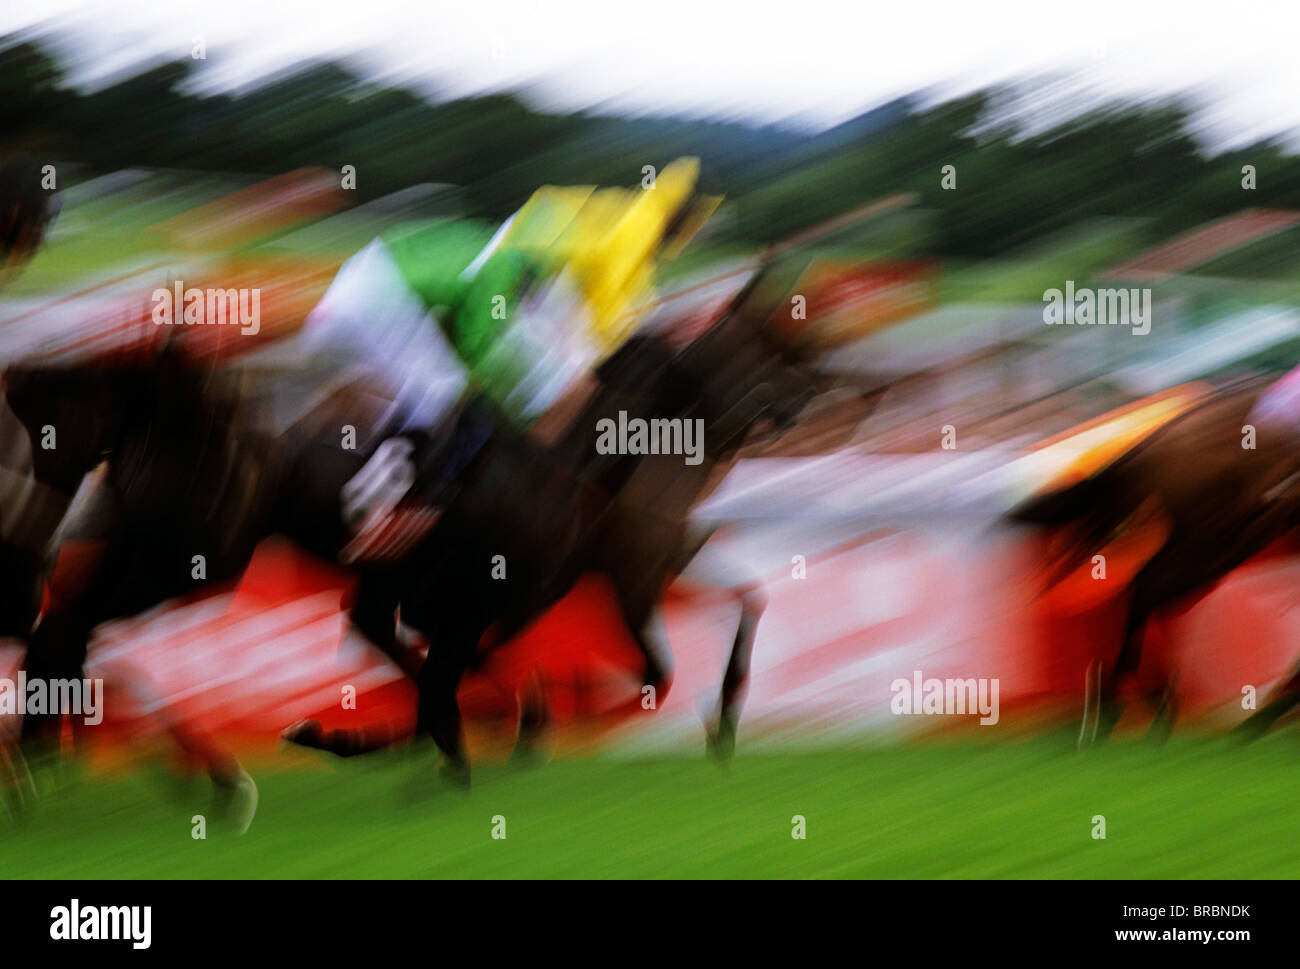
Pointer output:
x,y
178,484
1220,501
555,514
188,475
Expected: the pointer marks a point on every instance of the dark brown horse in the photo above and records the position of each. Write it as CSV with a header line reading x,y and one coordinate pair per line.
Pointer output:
x,y
180,483
186,475
1222,487
554,514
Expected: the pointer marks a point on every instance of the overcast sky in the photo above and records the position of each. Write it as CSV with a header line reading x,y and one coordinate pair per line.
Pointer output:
x,y
812,60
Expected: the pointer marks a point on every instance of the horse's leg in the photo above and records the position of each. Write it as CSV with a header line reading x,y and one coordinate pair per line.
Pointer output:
x,y
641,617
722,737
56,650
534,719
374,615
1189,560
1166,711
638,552
21,573
17,788
439,710
1182,564
122,583
309,512
1284,700
1156,584
709,566
90,556
235,792
1106,695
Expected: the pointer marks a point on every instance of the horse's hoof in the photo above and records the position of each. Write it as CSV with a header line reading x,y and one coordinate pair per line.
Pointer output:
x,y
1099,720
237,800
46,771
722,740
1247,732
17,786
304,733
456,774
1252,728
719,749
1262,721
526,755
1160,731
1162,727
1108,717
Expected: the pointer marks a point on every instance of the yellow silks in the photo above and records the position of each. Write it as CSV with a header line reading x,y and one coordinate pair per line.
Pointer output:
x,y
607,240
544,217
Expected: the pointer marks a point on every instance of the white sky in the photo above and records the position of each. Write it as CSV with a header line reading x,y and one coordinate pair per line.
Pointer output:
x,y
817,61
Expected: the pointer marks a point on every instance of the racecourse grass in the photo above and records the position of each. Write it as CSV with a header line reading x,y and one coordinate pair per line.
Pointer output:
x,y
1193,809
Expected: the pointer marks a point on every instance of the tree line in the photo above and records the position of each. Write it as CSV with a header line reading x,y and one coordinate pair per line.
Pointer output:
x,y
1012,185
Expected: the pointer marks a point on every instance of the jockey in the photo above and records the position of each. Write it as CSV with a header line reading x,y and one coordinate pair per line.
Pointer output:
x,y
555,290
444,312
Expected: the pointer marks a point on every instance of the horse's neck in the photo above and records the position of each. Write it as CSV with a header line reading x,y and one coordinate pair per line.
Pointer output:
x,y
667,487
577,448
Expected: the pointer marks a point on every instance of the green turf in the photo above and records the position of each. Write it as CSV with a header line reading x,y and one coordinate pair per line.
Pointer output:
x,y
1192,809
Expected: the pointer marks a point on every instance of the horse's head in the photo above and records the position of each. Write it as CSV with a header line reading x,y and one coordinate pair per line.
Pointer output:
x,y
745,378
27,208
67,418
73,416
160,410
734,378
